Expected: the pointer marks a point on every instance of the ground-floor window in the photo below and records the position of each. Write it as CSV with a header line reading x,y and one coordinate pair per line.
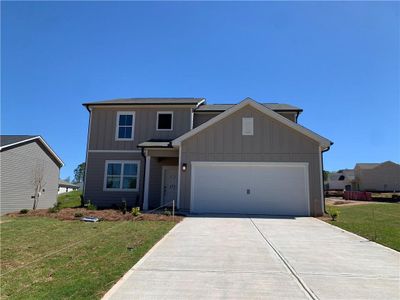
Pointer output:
x,y
121,175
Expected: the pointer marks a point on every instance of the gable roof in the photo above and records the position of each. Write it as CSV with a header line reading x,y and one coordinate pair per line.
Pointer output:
x,y
148,101
369,166
11,141
222,107
325,143
366,166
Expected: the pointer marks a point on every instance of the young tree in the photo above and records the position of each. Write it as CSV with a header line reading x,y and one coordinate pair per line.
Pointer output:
x,y
38,183
79,173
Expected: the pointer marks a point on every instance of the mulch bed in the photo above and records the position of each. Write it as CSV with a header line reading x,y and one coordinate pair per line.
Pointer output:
x,y
105,215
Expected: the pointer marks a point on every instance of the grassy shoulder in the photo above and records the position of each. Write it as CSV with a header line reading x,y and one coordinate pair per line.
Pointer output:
x,y
98,254
376,222
71,199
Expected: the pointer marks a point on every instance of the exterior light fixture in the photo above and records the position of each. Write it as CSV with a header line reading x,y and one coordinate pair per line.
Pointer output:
x,y
184,167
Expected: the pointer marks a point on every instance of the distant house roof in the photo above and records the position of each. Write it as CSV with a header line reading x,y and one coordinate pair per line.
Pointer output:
x,y
366,165
64,183
148,101
12,141
223,107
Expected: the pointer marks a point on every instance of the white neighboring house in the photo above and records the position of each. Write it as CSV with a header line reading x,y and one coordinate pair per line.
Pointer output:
x,y
341,180
65,187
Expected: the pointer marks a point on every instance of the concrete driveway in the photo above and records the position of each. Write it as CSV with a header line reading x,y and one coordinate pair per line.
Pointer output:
x,y
262,258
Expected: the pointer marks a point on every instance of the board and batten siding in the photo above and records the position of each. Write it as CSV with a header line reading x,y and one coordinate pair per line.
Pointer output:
x,y
94,189
272,142
18,166
103,126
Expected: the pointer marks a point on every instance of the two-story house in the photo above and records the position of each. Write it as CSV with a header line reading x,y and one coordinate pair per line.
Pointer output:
x,y
248,158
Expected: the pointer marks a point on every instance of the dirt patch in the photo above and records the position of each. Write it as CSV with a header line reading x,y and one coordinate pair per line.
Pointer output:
x,y
104,214
342,202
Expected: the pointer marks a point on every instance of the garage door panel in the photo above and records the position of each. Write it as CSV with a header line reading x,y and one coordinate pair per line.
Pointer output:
x,y
255,188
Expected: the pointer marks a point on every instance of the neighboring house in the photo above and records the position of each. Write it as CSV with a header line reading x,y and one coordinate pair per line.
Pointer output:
x,y
65,186
248,158
29,170
341,180
380,177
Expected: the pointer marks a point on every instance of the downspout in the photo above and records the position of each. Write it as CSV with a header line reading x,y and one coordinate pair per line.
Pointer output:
x,y
322,175
143,181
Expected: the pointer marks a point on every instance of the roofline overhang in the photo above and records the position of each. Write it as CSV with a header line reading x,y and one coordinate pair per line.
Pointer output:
x,y
39,138
195,104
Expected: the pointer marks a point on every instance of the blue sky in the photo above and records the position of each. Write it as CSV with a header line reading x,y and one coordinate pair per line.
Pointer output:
x,y
338,61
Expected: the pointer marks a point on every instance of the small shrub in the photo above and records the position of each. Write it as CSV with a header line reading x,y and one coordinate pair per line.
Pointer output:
x,y
135,211
24,211
167,212
78,215
91,206
333,213
54,209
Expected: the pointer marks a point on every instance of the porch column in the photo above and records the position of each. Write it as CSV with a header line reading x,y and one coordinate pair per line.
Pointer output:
x,y
146,184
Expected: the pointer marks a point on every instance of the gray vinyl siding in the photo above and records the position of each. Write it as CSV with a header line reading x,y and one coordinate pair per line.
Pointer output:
x,y
103,126
155,178
17,168
272,142
95,180
200,118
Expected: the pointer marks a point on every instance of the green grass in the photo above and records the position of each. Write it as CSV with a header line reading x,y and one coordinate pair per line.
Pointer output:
x,y
376,222
71,199
83,271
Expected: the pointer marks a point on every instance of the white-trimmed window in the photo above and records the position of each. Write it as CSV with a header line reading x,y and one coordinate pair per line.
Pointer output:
x,y
125,126
165,120
121,175
247,126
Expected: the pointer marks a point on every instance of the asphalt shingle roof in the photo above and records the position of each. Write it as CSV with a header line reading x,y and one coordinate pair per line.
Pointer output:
x,y
141,101
223,107
11,139
367,165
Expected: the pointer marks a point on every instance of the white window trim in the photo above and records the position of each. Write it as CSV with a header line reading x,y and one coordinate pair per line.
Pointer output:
x,y
172,120
132,113
250,130
122,162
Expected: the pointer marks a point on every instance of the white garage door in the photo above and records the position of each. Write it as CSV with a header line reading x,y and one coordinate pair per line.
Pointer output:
x,y
250,188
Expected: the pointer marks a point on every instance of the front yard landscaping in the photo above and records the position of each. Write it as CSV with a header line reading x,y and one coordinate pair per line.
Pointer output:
x,y
46,258
379,222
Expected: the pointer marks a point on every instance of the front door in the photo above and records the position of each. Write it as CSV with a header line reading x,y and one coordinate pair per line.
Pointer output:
x,y
169,185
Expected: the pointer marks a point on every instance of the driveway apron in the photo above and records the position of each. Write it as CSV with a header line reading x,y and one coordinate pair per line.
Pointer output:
x,y
261,258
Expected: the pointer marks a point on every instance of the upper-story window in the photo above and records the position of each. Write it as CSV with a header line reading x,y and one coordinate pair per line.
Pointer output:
x,y
165,120
125,126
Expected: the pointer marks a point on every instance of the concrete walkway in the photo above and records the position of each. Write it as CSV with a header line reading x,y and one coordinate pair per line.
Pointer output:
x,y
262,258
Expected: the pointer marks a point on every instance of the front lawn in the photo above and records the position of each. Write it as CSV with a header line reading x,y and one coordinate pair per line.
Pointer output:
x,y
92,256
70,199
376,222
